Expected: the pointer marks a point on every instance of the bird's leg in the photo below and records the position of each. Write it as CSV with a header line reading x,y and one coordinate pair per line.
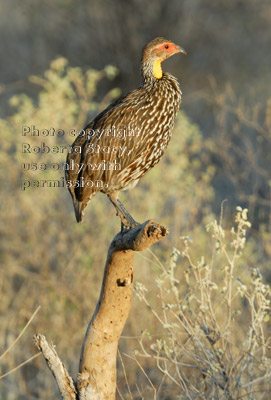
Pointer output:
x,y
122,227
127,220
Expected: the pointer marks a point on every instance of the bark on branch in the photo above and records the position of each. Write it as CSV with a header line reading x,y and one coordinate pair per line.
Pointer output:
x,y
97,370
58,369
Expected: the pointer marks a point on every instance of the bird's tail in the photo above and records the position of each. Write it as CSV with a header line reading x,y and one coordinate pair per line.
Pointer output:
x,y
78,208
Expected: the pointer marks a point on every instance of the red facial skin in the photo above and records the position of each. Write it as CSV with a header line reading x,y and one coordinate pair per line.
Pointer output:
x,y
169,47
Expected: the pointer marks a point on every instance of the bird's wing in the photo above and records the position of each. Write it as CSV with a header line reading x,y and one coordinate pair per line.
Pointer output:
x,y
113,148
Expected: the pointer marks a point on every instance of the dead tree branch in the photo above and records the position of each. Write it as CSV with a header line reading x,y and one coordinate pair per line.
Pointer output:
x,y
58,369
97,371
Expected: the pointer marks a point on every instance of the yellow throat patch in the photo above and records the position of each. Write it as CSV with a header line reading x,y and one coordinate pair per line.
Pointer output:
x,y
157,69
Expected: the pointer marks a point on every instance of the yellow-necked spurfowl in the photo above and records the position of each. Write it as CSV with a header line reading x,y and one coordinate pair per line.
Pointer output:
x,y
128,138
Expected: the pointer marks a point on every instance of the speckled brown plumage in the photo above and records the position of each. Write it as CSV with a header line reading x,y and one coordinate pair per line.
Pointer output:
x,y
111,161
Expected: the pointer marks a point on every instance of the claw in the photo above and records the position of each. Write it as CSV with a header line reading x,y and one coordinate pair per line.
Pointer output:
x,y
127,221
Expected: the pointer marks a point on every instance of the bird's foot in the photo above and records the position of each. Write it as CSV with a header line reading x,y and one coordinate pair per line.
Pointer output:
x,y
127,223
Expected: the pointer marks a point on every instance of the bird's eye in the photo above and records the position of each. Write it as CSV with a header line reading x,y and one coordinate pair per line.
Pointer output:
x,y
166,46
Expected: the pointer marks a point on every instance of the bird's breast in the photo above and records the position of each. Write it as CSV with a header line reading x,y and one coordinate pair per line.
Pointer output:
x,y
159,108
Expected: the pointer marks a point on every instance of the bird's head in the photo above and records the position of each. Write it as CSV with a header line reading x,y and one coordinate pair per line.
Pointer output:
x,y
155,52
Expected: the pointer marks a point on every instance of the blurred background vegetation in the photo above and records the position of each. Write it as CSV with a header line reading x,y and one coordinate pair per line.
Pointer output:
x,y
57,69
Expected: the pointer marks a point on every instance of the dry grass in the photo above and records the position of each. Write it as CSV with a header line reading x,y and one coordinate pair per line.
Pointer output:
x,y
215,328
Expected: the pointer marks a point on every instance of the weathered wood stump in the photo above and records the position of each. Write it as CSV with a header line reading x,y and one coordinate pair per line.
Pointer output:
x,y
97,370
